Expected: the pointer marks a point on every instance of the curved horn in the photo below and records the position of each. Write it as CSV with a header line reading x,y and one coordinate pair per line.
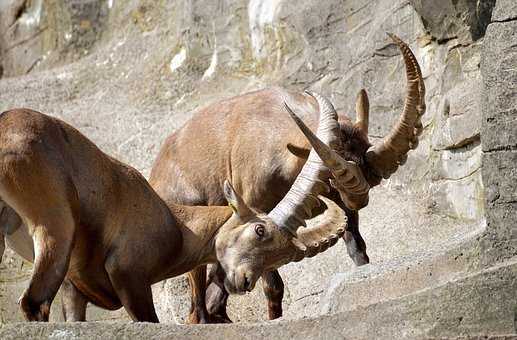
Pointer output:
x,y
318,238
362,110
348,177
292,211
386,156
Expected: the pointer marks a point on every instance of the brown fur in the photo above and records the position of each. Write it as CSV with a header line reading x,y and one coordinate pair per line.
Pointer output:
x,y
246,139
83,210
99,229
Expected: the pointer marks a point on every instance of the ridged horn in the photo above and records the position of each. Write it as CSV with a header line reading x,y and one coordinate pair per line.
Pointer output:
x,y
362,110
297,205
386,156
323,235
348,178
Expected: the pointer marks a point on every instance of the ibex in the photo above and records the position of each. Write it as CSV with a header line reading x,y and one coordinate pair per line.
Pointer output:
x,y
248,139
96,225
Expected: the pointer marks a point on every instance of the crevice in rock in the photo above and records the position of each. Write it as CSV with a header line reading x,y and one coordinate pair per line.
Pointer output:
x,y
443,41
483,15
504,20
458,46
388,51
450,179
18,13
310,294
510,147
474,140
33,65
21,42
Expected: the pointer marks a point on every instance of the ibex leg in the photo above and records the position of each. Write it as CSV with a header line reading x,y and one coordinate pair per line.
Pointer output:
x,y
136,296
73,302
2,245
274,290
355,245
48,202
197,282
216,295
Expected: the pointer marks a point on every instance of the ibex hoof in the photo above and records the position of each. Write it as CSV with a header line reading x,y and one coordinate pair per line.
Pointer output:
x,y
33,311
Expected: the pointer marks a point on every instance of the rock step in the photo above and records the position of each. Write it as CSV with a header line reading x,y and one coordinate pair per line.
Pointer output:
x,y
478,305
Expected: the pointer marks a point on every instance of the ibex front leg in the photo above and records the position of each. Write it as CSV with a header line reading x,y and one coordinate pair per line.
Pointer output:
x,y
355,245
216,295
197,282
134,292
274,290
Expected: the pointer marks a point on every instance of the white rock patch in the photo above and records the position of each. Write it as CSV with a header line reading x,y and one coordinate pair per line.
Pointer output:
x,y
178,59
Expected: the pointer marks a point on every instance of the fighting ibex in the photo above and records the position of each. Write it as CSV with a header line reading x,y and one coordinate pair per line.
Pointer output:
x,y
250,140
86,219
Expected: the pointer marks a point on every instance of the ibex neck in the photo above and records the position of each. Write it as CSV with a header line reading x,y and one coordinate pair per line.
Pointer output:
x,y
199,226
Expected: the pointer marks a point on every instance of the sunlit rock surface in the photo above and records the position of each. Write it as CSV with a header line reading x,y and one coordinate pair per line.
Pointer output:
x,y
128,73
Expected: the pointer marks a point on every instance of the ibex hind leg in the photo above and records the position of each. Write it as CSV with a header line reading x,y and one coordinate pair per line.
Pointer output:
x,y
47,202
74,303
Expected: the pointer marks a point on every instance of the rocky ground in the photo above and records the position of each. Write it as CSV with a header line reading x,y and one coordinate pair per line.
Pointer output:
x,y
440,233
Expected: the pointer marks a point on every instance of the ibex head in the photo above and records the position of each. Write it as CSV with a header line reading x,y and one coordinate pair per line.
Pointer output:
x,y
252,242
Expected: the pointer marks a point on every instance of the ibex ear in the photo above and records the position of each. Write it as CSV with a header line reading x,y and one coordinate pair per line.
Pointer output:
x,y
236,202
298,151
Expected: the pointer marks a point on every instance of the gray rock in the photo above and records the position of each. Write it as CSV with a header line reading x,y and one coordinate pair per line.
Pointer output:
x,y
36,35
505,10
499,134
466,20
428,314
440,232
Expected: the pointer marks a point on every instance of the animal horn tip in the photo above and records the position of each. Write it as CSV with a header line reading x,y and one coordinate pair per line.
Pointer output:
x,y
291,112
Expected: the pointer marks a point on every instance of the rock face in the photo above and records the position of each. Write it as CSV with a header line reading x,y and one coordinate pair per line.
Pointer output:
x,y
499,133
39,34
440,233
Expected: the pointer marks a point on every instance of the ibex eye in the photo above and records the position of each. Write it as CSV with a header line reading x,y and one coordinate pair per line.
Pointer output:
x,y
260,230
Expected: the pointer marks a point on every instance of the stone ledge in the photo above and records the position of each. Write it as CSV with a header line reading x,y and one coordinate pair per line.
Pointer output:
x,y
479,305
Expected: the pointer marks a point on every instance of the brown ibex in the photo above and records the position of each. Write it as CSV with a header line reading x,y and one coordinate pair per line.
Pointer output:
x,y
250,140
86,219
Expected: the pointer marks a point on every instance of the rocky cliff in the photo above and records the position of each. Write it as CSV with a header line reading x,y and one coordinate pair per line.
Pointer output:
x,y
440,233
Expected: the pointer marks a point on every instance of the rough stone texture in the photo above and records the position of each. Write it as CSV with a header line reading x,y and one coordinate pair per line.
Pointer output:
x,y
499,134
466,20
441,232
427,314
39,34
335,47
